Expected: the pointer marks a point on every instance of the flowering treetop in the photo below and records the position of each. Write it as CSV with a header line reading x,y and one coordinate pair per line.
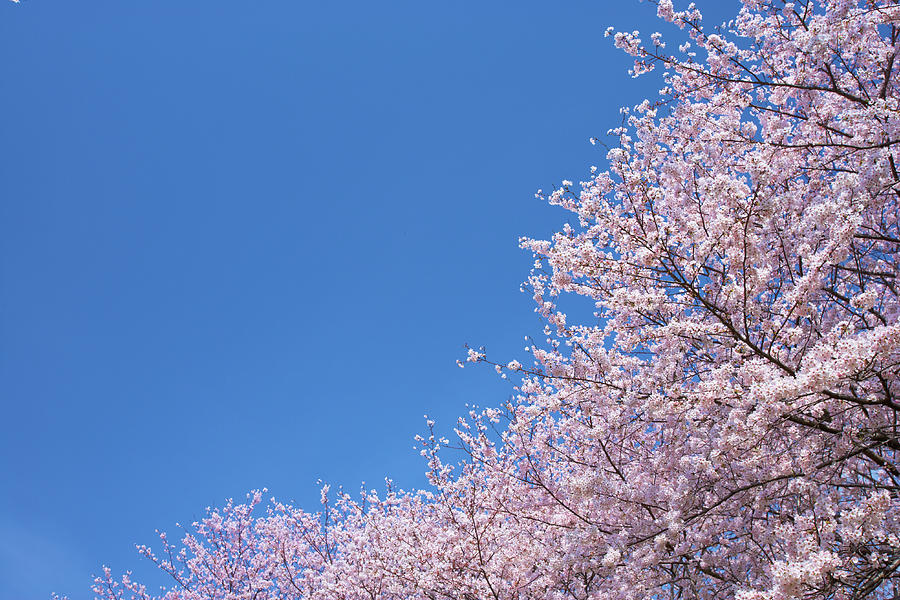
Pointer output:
x,y
728,426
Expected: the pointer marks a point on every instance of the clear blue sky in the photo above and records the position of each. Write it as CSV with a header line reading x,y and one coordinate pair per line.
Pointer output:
x,y
242,244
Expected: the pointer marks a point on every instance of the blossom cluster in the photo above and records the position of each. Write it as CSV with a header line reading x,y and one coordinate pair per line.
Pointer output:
x,y
727,427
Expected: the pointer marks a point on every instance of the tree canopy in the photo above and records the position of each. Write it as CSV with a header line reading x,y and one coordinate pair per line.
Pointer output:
x,y
727,425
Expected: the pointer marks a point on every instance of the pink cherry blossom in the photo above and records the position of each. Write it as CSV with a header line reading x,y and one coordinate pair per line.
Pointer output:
x,y
727,427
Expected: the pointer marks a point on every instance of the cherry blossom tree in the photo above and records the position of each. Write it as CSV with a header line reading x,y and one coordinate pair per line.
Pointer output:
x,y
727,425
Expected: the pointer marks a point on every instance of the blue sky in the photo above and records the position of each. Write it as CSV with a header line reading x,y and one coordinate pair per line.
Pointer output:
x,y
242,244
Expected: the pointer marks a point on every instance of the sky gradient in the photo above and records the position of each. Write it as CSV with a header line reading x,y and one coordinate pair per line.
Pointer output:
x,y
243,245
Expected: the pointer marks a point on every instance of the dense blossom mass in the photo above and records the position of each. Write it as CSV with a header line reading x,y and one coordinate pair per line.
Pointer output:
x,y
727,426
